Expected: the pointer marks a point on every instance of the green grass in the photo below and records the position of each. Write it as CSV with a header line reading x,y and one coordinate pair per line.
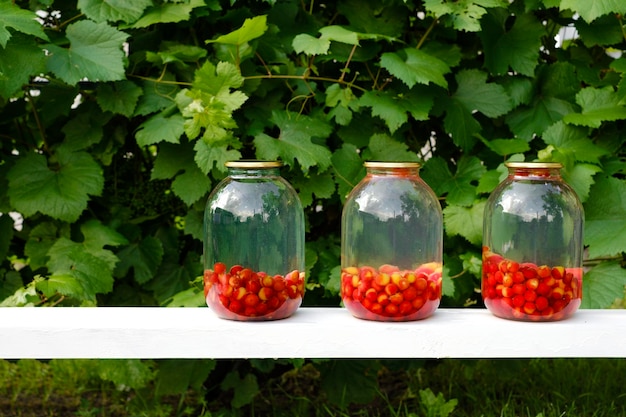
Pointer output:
x,y
458,388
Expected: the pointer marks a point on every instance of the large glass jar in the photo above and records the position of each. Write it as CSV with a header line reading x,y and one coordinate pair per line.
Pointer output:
x,y
391,245
532,245
254,244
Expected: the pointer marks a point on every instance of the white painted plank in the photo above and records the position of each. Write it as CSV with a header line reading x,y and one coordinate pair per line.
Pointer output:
x,y
145,332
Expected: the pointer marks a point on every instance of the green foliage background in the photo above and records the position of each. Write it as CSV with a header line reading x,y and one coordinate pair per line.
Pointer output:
x,y
116,119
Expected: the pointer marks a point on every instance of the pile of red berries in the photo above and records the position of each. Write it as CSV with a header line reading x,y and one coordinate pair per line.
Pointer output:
x,y
390,294
525,291
240,293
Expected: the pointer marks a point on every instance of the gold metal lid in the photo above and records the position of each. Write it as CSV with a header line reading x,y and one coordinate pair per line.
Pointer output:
x,y
533,165
253,163
380,164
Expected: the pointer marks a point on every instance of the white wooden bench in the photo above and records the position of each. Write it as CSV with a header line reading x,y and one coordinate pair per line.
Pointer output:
x,y
152,332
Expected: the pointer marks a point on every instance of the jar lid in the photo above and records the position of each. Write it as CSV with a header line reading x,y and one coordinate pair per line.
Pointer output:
x,y
253,163
380,164
553,165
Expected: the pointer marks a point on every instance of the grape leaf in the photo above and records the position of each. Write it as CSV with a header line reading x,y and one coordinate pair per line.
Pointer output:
x,y
77,272
208,156
16,18
119,97
601,284
113,10
294,141
591,10
20,61
167,13
144,257
393,108
605,218
176,376
85,129
505,147
462,14
517,48
40,240
156,97
575,140
191,185
458,187
310,45
60,190
245,389
460,124
465,221
95,53
598,105
160,128
476,94
384,148
210,103
251,29
414,66
321,186
603,31
347,168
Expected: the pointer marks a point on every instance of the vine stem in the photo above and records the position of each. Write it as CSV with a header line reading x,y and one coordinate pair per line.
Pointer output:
x,y
40,127
303,78
425,35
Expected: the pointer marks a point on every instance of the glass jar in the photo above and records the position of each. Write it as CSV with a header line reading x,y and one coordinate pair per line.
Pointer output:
x,y
532,245
254,244
391,245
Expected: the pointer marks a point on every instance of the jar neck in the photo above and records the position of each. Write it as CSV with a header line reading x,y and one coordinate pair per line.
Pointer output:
x,y
253,172
391,169
551,171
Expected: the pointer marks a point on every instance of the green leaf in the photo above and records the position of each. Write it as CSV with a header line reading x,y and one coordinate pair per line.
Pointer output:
x,y
85,129
384,148
191,185
95,53
160,128
476,94
394,108
294,141
25,21
321,186
310,45
210,157
591,10
125,373
119,97
465,221
144,257
40,240
338,381
516,48
113,10
176,376
348,169
20,61
77,272
603,284
505,147
462,14
458,187
167,13
340,34
60,190
603,31
156,97
245,389
605,218
210,103
574,140
414,66
598,105
251,29
461,125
